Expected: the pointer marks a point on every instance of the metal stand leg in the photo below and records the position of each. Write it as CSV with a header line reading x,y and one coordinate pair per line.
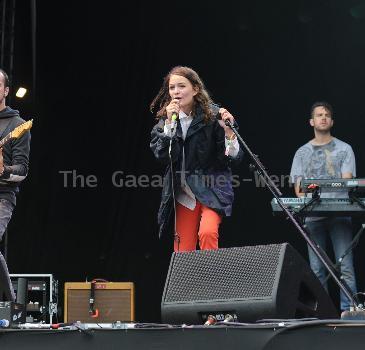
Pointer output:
x,y
352,245
6,245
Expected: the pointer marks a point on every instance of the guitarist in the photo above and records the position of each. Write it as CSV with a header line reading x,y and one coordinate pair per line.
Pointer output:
x,y
14,161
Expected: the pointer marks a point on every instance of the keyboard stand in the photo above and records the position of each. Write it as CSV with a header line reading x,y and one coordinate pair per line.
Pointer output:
x,y
351,246
354,198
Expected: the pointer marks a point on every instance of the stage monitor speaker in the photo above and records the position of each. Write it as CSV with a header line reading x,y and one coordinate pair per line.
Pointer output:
x,y
114,301
247,283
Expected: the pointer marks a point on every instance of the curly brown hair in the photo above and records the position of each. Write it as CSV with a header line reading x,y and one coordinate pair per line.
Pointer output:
x,y
202,98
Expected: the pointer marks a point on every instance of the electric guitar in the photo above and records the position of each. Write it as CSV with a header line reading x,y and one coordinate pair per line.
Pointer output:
x,y
17,132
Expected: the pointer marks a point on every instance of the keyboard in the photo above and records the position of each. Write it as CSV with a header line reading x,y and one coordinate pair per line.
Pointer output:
x,y
322,207
330,185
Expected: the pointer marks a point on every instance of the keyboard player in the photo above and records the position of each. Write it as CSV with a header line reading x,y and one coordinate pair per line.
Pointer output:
x,y
326,157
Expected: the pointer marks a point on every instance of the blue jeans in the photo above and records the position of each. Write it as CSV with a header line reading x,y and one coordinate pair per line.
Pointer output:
x,y
6,210
339,229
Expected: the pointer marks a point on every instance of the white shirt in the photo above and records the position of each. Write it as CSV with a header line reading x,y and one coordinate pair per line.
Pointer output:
x,y
185,196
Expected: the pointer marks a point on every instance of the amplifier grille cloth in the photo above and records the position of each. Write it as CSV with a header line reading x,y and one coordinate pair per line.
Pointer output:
x,y
113,305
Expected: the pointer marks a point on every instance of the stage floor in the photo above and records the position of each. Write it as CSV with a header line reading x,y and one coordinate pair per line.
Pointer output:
x,y
313,335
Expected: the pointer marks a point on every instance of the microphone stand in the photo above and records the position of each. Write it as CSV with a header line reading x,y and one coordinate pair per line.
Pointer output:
x,y
315,197
260,169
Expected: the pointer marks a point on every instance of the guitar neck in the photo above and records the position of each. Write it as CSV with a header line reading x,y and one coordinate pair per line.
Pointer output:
x,y
5,140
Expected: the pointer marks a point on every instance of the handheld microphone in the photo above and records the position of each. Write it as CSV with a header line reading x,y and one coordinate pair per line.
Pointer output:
x,y
172,129
173,121
4,323
219,117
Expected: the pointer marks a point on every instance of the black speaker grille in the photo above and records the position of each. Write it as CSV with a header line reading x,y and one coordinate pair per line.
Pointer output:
x,y
232,273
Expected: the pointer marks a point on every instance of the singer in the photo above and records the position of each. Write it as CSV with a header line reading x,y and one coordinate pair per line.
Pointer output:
x,y
198,149
14,161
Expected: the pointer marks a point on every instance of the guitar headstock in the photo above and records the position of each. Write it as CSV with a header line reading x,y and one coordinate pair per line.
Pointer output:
x,y
21,129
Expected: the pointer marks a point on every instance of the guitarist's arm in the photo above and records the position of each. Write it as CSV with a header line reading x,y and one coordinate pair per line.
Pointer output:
x,y
19,149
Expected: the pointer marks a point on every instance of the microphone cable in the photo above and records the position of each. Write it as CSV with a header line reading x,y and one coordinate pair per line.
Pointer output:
x,y
176,235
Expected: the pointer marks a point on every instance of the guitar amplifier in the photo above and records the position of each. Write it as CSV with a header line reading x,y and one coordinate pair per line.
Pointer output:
x,y
113,301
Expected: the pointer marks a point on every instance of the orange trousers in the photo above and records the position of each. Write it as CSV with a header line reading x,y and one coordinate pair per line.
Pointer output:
x,y
201,224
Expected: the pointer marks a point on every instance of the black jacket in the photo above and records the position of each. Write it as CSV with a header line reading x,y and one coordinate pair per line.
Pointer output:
x,y
16,155
207,169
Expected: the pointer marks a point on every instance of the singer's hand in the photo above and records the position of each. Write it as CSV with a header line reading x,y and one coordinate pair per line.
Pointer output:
x,y
172,107
226,115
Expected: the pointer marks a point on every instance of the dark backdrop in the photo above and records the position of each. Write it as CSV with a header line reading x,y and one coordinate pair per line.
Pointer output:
x,y
99,64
